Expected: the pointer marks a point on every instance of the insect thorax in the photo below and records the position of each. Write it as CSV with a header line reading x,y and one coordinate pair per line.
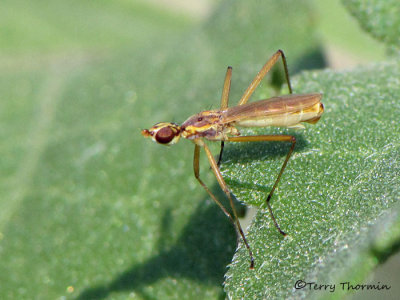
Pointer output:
x,y
207,124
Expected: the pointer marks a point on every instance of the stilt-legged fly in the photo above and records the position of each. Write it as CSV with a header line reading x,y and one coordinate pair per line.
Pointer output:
x,y
221,125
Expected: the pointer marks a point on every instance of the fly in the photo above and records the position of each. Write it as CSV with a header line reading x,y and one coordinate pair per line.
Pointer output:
x,y
221,125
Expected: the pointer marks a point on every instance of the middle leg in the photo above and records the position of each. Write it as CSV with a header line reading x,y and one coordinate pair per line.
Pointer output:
x,y
266,138
227,192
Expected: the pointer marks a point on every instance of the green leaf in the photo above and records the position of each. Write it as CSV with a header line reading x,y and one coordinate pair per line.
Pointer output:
x,y
380,18
89,208
338,197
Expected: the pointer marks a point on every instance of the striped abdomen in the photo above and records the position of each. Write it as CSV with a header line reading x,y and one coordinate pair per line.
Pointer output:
x,y
285,111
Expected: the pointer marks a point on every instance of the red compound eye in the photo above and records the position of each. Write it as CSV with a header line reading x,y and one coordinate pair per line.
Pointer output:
x,y
165,135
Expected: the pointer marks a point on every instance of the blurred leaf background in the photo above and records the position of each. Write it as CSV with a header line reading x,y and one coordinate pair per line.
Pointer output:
x,y
91,210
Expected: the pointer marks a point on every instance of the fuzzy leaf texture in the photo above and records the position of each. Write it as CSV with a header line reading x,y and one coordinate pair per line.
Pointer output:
x,y
89,209
338,197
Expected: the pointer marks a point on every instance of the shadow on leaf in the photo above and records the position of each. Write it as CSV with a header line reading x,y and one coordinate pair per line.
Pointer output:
x,y
202,252
248,152
206,245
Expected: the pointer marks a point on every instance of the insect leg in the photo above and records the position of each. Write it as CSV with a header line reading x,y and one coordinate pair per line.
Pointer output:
x,y
260,75
196,168
226,89
266,138
220,154
226,190
224,102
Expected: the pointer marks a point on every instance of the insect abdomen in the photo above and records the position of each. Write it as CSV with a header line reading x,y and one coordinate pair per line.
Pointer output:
x,y
288,119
